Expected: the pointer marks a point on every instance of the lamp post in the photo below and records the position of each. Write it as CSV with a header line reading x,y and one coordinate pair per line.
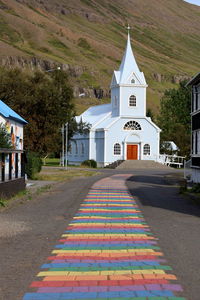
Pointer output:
x,y
66,143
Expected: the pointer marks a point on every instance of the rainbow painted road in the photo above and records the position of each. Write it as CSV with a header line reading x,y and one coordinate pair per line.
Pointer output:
x,y
106,252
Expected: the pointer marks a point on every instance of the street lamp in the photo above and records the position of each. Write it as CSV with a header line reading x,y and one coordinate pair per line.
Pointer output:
x,y
64,131
51,70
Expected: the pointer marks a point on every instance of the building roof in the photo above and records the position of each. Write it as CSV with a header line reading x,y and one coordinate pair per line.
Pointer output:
x,y
194,80
128,67
94,114
8,113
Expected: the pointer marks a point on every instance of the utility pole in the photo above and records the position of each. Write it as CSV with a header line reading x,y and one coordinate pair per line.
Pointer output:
x,y
66,143
63,146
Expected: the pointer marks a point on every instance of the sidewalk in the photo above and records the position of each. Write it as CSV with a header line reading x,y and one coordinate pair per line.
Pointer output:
x,y
107,252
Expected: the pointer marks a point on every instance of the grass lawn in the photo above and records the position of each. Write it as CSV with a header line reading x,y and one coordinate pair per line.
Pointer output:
x,y
52,162
54,174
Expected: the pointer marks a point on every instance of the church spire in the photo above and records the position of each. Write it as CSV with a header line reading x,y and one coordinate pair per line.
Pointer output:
x,y
129,65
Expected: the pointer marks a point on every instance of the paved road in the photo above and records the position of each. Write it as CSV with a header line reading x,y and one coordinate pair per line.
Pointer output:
x,y
34,228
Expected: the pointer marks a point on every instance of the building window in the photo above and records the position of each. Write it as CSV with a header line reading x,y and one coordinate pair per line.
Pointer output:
x,y
146,149
132,101
132,80
117,149
70,149
132,125
76,148
82,149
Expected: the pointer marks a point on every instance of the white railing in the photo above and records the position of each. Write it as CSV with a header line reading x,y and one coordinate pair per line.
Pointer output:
x,y
171,160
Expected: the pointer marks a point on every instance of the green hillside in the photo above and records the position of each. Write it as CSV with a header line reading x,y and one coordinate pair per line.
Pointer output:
x,y
88,38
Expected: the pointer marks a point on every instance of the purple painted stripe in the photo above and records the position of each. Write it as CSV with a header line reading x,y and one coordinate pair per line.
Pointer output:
x,y
84,289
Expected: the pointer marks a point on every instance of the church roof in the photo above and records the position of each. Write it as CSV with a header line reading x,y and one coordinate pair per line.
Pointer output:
x,y
128,67
8,113
95,114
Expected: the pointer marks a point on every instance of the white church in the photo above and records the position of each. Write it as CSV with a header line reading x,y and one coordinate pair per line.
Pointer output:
x,y
119,130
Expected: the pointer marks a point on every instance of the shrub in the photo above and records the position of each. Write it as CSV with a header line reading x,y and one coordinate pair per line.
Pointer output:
x,y
196,188
89,163
33,165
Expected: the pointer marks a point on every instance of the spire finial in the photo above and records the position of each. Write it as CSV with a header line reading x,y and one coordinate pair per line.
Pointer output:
x,y
128,28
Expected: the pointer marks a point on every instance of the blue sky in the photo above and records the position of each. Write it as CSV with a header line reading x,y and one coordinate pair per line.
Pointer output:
x,y
197,2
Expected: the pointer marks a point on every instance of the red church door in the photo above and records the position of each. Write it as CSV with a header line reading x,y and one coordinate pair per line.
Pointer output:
x,y
132,152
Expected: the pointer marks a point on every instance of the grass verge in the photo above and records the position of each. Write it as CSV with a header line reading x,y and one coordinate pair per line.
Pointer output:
x,y
51,174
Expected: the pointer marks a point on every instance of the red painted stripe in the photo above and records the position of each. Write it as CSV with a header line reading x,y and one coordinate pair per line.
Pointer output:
x,y
97,283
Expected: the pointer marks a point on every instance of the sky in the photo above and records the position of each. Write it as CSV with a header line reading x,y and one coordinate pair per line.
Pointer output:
x,y
197,2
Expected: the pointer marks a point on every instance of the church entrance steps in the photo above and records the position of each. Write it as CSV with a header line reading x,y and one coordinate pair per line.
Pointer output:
x,y
141,164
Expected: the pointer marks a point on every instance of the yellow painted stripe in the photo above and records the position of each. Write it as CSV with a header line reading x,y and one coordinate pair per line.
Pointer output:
x,y
96,273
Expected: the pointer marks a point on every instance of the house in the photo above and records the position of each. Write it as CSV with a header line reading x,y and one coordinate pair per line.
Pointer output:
x,y
14,124
11,160
119,130
195,130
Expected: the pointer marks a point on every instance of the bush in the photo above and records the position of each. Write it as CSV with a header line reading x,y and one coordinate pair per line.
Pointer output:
x,y
196,188
33,165
89,163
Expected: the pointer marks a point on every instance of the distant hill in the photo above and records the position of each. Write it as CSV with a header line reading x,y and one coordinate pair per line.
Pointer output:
x,y
88,38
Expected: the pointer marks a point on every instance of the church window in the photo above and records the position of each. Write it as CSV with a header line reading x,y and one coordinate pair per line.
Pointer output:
x,y
76,148
132,125
132,101
146,149
117,149
115,101
70,149
132,80
82,149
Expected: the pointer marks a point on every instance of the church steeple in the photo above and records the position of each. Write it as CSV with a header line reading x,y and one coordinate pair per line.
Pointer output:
x,y
128,87
129,67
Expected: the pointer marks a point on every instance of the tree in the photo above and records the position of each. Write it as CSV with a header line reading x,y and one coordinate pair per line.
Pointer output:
x,y
5,139
174,118
44,100
150,114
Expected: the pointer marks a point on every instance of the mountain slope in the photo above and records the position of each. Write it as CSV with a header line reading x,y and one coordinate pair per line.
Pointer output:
x,y
89,37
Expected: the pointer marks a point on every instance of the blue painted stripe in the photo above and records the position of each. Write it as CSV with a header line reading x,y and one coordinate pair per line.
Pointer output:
x,y
90,295
115,264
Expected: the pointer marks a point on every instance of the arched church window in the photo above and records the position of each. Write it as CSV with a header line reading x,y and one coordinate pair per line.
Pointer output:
x,y
132,100
132,125
117,149
82,149
132,80
70,149
115,101
146,149
76,148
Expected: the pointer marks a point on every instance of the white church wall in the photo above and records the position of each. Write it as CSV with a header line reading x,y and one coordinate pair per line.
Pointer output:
x,y
140,108
97,147
148,135
79,149
115,101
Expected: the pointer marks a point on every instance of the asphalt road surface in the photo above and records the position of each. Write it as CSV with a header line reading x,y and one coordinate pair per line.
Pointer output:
x,y
29,231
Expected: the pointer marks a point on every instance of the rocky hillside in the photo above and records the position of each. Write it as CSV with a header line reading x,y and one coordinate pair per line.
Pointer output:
x,y
88,37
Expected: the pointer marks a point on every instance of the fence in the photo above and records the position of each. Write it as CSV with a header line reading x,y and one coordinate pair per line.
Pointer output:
x,y
172,160
12,172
